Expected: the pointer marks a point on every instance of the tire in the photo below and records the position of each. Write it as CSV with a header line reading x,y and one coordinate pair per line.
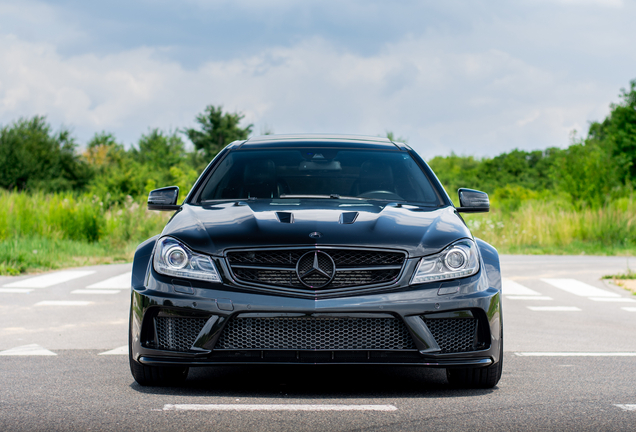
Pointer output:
x,y
155,375
486,377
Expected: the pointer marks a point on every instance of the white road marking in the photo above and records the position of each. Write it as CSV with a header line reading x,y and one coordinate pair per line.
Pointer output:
x,y
95,291
15,290
118,282
532,297
629,309
27,350
510,287
576,354
62,303
276,407
50,279
613,299
554,308
123,350
579,288
626,407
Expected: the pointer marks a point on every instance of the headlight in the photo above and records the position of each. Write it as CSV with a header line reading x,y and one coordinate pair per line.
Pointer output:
x,y
458,260
173,258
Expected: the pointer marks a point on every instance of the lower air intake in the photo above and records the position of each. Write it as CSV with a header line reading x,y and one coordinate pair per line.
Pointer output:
x,y
309,333
453,335
177,333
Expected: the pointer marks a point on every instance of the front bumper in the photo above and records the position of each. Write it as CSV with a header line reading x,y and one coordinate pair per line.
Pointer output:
x,y
215,305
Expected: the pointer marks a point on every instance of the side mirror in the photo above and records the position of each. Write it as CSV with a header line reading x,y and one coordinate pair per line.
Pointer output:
x,y
164,199
473,201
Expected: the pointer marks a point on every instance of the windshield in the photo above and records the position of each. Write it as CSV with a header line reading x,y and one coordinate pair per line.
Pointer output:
x,y
319,173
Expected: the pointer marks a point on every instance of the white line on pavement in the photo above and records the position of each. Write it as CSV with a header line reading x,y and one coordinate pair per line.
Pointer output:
x,y
50,279
554,308
629,309
276,407
576,354
95,291
123,350
613,299
62,303
579,288
626,407
118,282
510,287
27,350
521,297
15,290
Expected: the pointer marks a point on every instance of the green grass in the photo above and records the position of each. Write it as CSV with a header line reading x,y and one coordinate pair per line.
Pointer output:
x,y
556,227
48,231
630,274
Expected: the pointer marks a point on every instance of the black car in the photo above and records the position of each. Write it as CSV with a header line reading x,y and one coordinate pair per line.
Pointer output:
x,y
316,249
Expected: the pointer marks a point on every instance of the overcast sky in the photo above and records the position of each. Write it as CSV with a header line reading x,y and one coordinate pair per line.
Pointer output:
x,y
474,77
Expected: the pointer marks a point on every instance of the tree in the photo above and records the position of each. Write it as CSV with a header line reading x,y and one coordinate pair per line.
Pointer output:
x,y
617,133
33,157
218,129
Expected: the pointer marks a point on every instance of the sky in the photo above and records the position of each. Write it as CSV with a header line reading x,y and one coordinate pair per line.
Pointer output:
x,y
473,77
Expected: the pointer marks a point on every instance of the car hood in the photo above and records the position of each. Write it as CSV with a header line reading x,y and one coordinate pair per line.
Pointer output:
x,y
213,229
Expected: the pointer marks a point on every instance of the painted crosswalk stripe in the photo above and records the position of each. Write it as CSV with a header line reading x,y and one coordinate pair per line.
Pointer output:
x,y
49,279
575,354
62,303
123,350
95,291
629,309
510,287
27,350
118,282
613,299
554,308
521,297
15,290
276,407
579,288
626,407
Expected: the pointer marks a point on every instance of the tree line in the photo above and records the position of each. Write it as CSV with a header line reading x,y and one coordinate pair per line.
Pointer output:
x,y
591,171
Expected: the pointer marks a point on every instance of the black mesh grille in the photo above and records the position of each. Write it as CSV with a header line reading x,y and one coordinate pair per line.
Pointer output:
x,y
453,334
342,257
177,333
347,260
308,333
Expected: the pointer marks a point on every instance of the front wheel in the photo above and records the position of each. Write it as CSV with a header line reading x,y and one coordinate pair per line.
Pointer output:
x,y
486,377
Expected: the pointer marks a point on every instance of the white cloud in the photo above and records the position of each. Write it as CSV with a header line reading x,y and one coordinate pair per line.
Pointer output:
x,y
475,103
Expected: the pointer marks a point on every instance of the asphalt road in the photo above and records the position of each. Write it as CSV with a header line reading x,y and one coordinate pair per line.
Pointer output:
x,y
569,364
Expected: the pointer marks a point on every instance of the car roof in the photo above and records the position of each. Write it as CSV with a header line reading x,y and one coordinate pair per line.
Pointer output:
x,y
319,140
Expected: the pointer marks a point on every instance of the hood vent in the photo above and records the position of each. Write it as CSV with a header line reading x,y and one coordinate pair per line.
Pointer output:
x,y
285,217
348,217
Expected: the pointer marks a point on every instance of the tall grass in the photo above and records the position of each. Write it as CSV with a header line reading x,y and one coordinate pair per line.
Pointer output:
x,y
43,231
555,226
40,231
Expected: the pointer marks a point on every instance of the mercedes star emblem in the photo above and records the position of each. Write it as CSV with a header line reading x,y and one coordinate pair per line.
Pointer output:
x,y
315,269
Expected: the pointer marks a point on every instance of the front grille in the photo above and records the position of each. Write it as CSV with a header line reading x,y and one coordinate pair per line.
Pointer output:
x,y
353,268
453,335
177,333
315,333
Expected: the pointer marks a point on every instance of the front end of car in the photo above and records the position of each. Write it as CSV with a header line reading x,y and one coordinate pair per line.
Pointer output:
x,y
259,305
